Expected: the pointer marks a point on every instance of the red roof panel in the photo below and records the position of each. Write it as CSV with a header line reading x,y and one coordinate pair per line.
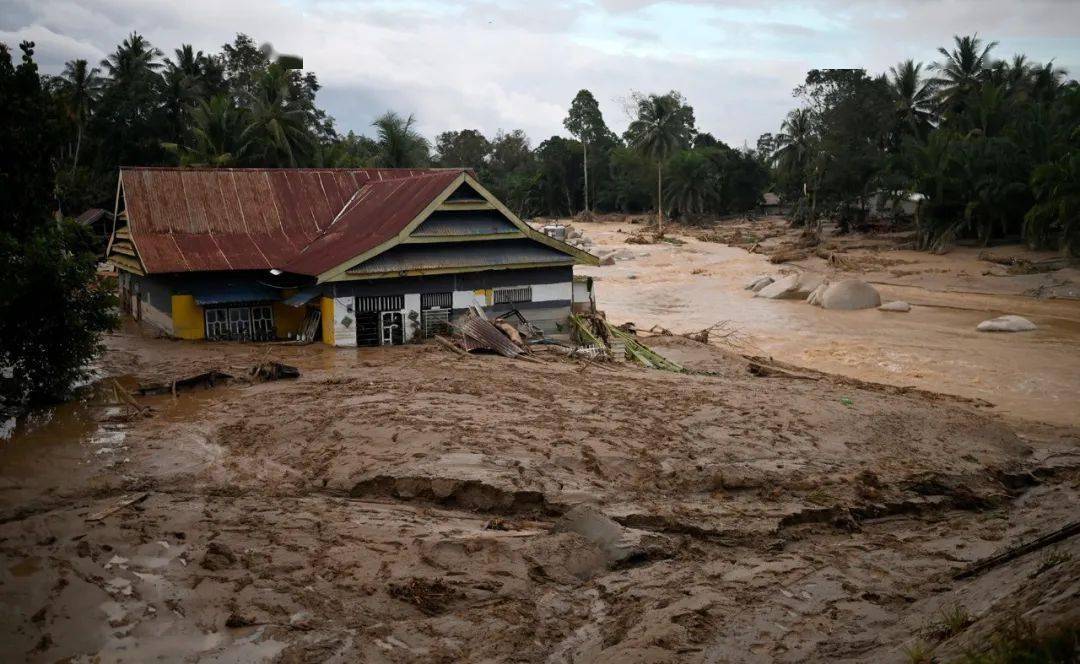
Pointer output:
x,y
186,220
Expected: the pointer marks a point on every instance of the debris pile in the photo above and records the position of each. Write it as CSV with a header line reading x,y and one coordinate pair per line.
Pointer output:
x,y
596,331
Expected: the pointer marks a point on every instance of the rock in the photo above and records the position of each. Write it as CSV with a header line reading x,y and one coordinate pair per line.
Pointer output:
x,y
850,294
618,543
1006,324
791,287
897,305
757,283
814,298
780,289
608,260
218,556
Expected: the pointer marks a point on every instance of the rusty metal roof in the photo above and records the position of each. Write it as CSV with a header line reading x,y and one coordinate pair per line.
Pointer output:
x,y
379,211
185,219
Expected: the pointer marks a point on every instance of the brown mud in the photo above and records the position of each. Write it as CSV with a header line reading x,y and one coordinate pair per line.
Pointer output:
x,y
406,504
688,283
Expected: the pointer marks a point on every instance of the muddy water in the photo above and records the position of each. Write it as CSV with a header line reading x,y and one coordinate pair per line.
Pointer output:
x,y
1034,375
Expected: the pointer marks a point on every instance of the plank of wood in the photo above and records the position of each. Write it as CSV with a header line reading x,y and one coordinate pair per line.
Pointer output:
x,y
449,344
1015,552
121,503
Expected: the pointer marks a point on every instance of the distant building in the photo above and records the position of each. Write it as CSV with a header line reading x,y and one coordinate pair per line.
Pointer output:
x,y
378,255
770,204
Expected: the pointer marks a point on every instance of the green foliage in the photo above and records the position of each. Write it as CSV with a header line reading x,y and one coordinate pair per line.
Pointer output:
x,y
988,148
400,145
52,306
1018,642
467,148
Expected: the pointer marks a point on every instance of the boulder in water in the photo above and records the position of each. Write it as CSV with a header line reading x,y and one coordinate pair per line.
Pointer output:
x,y
1006,324
850,294
758,283
896,305
814,298
780,289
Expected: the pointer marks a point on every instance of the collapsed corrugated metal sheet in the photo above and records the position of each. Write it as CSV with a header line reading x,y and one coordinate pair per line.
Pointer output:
x,y
237,219
377,214
460,255
479,333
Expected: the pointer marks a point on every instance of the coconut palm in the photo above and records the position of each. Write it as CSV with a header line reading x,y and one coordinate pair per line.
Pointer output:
x,y
661,128
912,95
220,134
794,142
400,145
81,87
279,128
961,71
133,60
693,183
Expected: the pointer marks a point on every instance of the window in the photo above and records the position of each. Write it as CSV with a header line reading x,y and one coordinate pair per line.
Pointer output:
x,y
436,300
435,321
511,295
240,323
376,303
262,322
217,326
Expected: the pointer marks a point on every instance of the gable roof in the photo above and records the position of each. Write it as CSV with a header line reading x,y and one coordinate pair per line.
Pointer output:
x,y
315,222
192,219
377,213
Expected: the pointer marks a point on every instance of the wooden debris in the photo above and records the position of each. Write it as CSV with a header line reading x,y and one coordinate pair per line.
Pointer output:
x,y
206,379
121,503
446,343
274,371
1034,545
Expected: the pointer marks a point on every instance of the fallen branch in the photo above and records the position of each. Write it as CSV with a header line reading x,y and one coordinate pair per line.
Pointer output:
x,y
1034,545
124,501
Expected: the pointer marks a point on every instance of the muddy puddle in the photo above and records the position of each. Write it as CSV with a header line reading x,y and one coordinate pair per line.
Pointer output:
x,y
687,287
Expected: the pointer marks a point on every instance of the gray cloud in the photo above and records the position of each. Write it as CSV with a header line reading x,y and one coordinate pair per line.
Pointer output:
x,y
517,64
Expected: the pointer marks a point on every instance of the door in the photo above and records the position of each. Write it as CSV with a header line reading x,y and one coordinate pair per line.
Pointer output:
x,y
390,328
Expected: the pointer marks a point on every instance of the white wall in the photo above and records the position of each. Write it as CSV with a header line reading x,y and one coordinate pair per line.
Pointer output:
x,y
412,304
344,322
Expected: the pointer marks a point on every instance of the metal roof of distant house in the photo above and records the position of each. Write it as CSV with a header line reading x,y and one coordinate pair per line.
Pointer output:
x,y
315,222
92,216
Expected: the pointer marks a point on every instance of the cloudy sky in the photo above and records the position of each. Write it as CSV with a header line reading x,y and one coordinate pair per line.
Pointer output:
x,y
491,64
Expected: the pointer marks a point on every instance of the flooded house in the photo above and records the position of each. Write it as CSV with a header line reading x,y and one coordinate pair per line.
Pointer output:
x,y
356,257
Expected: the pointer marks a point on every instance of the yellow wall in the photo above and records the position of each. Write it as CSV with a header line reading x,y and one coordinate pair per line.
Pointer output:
x,y
187,317
326,305
288,319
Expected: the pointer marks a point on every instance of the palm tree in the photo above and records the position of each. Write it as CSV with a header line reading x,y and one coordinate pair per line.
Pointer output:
x,y
81,89
693,183
220,131
279,127
912,96
961,71
659,130
133,60
400,146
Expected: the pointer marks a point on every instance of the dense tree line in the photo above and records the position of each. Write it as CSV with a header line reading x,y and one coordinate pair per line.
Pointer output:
x,y
52,306
244,106
988,148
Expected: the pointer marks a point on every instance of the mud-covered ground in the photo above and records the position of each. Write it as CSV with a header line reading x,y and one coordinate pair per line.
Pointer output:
x,y
409,505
